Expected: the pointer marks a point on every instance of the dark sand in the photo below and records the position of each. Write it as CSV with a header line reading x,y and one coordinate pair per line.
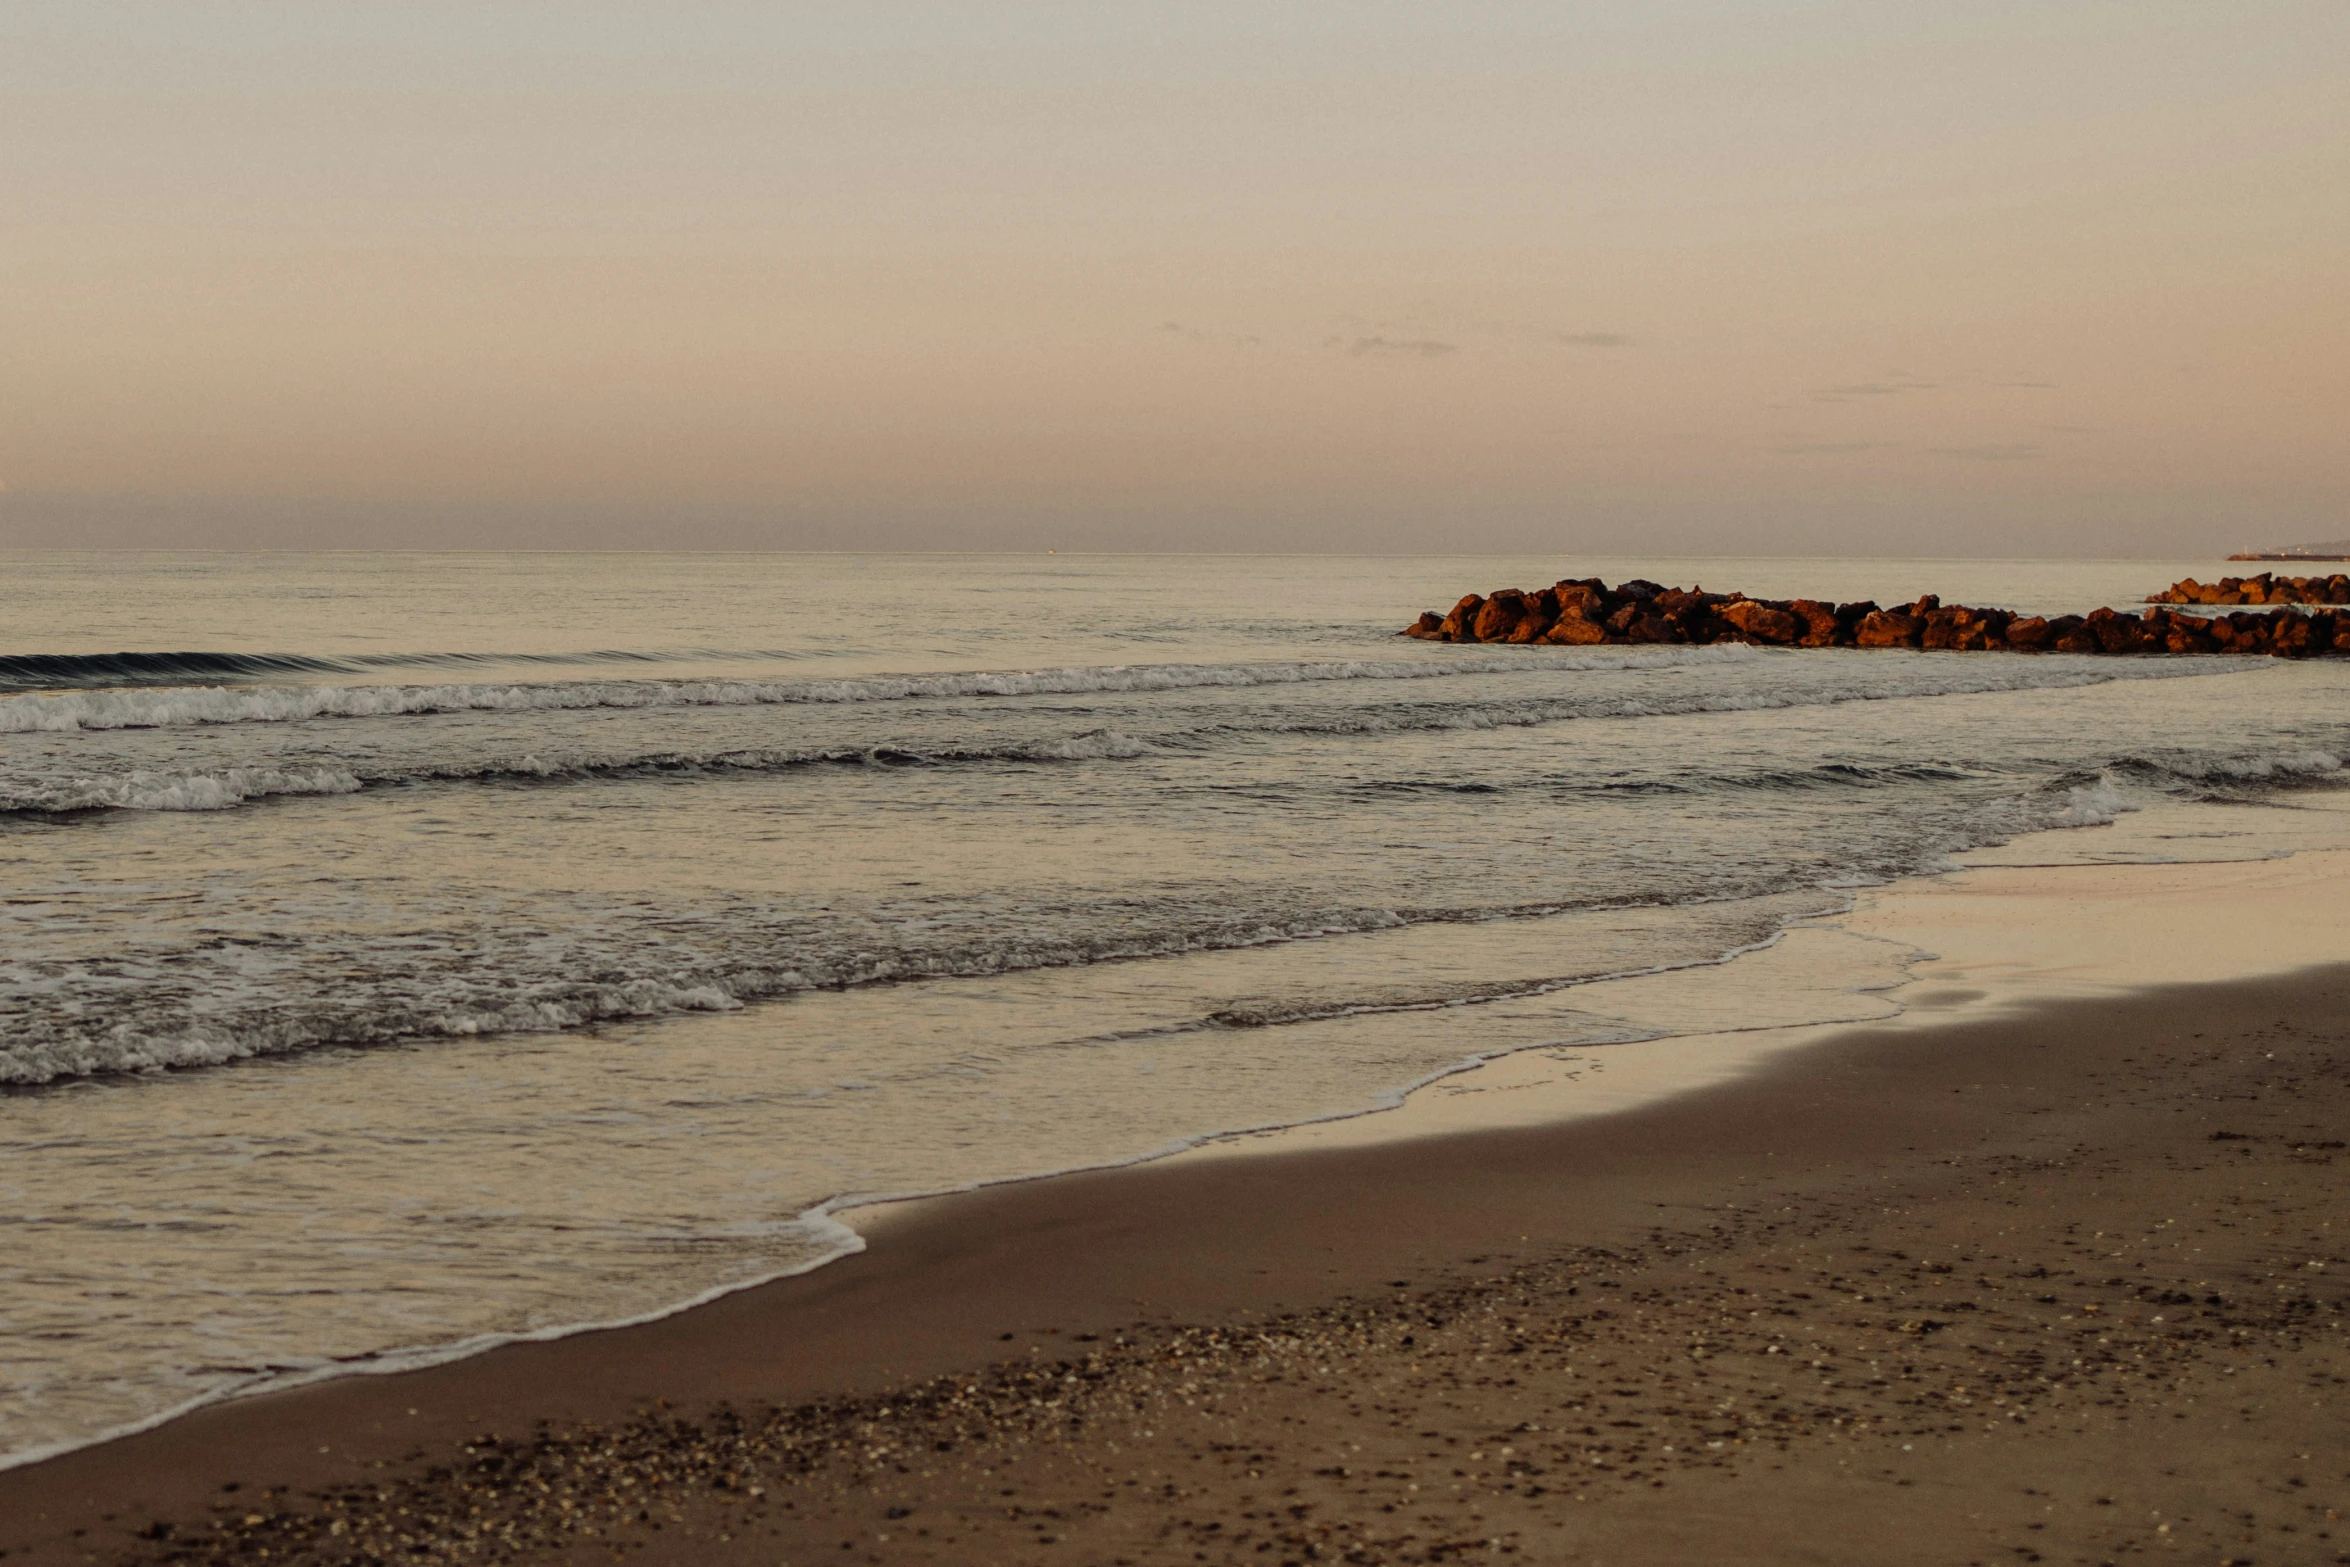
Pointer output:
x,y
2066,1287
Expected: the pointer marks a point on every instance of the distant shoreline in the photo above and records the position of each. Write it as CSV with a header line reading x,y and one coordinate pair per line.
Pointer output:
x,y
2284,555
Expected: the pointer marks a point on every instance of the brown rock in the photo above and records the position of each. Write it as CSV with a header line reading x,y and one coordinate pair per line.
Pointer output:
x,y
2028,633
1692,606
1575,631
1697,623
1458,626
1581,598
1500,616
1888,628
1541,614
2289,635
1961,628
1943,628
1428,627
2119,633
2071,634
2173,632
1761,621
1819,622
2185,639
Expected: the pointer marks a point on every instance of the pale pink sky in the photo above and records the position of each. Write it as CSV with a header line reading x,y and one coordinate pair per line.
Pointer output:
x,y
2048,278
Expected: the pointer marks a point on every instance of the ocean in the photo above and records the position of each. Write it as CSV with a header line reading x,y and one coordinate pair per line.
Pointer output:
x,y
404,953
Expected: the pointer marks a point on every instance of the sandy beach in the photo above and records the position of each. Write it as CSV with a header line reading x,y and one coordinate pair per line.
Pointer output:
x,y
2046,1265
1174,787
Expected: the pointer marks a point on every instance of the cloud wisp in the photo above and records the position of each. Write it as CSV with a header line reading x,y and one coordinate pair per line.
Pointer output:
x,y
1193,334
1851,389
1394,347
2011,451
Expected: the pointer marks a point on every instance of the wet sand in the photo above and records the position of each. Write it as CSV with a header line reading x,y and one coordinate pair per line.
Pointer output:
x,y
2063,1285
2047,1266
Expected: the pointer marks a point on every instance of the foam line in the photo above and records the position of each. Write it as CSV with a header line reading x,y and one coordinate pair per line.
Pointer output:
x,y
166,706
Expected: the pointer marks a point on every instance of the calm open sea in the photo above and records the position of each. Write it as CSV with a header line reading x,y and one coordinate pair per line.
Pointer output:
x,y
402,951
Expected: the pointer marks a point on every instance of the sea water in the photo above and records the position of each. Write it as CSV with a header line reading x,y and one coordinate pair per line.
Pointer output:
x,y
400,953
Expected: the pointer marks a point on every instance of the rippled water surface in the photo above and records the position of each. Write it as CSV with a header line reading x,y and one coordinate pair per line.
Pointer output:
x,y
397,951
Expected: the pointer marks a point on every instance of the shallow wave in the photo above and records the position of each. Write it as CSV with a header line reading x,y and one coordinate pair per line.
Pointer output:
x,y
1890,678
1886,676
2226,776
2096,804
1920,677
246,999
45,670
52,671
166,706
146,790
1766,780
42,1046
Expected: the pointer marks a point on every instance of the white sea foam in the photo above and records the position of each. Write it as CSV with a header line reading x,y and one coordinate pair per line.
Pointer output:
x,y
282,1030
2091,805
151,790
2097,803
1788,682
530,986
2282,765
143,790
250,1009
1095,745
160,706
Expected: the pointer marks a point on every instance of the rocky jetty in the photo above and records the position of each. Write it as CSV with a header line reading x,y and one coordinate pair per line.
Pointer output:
x,y
2267,588
1590,612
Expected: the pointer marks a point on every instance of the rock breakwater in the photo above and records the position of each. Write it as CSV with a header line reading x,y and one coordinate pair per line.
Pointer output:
x,y
1589,611
2267,588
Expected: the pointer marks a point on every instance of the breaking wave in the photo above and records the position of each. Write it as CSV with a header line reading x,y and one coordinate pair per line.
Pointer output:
x,y
1892,675
166,706
41,786
2230,776
235,998
145,790
54,671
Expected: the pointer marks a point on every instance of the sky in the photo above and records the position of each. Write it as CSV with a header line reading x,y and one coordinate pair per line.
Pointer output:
x,y
2067,277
